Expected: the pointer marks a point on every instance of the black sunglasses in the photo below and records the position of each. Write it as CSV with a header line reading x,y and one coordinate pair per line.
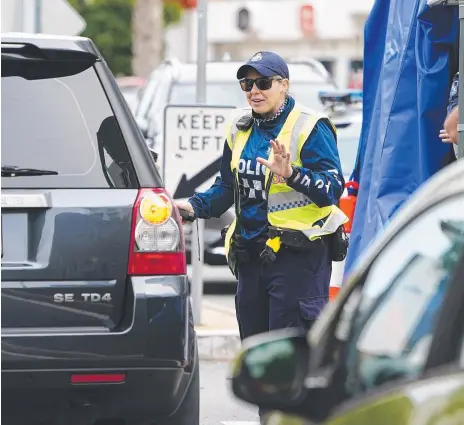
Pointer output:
x,y
262,83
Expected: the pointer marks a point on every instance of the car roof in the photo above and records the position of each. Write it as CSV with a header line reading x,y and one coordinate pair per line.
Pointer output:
x,y
53,42
227,71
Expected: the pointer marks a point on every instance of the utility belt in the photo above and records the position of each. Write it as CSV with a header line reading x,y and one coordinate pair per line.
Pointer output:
x,y
267,247
338,243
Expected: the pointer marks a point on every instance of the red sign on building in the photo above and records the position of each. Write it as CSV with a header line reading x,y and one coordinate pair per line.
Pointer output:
x,y
307,20
188,4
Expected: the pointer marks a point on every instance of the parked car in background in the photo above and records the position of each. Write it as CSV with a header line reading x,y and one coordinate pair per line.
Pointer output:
x,y
390,348
96,318
130,88
174,83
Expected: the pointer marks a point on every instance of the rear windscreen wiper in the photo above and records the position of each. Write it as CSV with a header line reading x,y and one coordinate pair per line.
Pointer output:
x,y
13,171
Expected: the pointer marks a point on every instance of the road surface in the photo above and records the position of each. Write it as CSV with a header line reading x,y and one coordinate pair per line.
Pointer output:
x,y
218,406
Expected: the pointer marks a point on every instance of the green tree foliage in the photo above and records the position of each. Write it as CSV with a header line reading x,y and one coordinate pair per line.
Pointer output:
x,y
109,25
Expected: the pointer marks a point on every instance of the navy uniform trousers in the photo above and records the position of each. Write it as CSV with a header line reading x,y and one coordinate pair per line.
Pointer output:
x,y
290,292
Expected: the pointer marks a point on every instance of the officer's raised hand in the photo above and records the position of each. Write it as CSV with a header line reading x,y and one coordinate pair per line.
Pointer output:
x,y
280,164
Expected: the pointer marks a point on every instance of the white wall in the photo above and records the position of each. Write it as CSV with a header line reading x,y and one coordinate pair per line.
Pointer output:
x,y
279,20
275,25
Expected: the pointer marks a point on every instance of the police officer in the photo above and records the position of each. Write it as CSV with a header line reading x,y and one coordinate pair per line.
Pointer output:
x,y
281,169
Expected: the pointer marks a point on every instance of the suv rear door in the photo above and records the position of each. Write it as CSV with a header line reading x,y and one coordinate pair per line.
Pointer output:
x,y
65,228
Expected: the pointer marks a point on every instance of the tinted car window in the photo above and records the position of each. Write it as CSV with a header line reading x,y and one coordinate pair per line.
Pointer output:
x,y
402,295
230,94
61,123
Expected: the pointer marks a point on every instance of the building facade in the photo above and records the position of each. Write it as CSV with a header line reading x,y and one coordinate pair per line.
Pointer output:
x,y
327,30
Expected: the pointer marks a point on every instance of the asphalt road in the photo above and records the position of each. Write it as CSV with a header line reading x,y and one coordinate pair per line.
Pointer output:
x,y
218,406
221,300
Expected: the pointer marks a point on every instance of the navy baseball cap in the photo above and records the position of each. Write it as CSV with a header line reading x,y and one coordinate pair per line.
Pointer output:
x,y
267,64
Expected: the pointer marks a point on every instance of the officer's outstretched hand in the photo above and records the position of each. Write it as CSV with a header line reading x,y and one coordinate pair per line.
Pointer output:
x,y
280,164
186,211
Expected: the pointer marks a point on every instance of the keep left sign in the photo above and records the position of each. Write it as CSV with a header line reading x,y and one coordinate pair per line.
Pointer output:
x,y
194,137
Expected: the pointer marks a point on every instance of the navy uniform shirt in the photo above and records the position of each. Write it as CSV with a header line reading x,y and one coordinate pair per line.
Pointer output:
x,y
320,164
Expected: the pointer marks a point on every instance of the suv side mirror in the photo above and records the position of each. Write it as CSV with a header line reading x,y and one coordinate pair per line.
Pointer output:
x,y
271,369
273,372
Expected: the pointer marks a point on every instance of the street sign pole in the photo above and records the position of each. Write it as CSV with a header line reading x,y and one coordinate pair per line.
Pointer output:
x,y
32,16
28,16
38,16
198,227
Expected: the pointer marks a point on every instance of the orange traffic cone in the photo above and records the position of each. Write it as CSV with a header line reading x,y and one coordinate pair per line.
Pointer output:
x,y
333,291
348,203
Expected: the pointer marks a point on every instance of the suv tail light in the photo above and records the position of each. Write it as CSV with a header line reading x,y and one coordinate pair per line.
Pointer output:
x,y
157,241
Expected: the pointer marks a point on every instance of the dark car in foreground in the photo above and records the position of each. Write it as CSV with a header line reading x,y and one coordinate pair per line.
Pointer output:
x,y
390,348
96,320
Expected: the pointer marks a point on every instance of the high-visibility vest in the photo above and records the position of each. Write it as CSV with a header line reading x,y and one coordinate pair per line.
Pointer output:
x,y
286,208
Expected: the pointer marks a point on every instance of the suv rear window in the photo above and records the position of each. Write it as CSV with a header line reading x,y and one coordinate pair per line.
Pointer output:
x,y
61,121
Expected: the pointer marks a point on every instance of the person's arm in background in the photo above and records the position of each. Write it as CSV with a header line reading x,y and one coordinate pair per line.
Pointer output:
x,y
449,134
321,176
220,196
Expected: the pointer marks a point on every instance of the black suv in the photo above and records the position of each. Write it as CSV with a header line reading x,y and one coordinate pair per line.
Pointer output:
x,y
96,320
